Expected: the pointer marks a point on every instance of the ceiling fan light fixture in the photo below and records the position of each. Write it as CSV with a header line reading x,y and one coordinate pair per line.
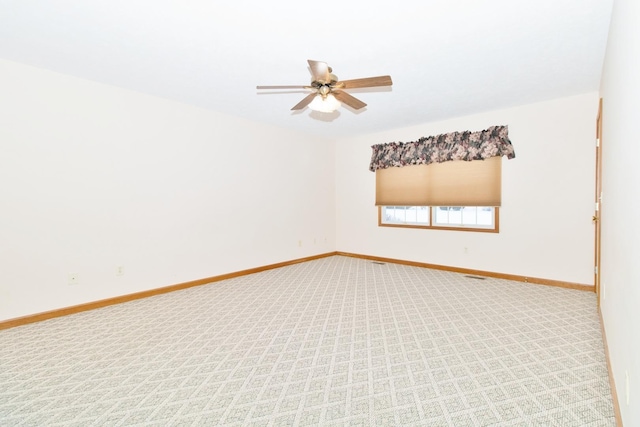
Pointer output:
x,y
325,86
328,104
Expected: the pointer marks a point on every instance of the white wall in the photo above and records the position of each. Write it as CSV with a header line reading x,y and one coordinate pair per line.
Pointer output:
x,y
620,264
93,177
547,196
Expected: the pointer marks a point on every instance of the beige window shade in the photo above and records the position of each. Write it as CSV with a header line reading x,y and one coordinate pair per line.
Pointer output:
x,y
455,183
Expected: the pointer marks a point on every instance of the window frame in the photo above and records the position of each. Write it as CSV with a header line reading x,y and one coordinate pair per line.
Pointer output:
x,y
495,229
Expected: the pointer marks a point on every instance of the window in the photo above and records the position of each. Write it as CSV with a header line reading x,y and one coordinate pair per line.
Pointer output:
x,y
468,218
451,181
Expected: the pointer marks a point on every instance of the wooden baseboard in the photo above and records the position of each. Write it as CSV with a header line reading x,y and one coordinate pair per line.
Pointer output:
x,y
612,381
11,323
536,280
19,321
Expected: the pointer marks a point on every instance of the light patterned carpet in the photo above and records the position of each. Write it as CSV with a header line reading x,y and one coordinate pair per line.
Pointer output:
x,y
336,341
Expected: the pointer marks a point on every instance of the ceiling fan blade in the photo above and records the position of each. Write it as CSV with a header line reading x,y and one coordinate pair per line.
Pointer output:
x,y
306,101
365,82
283,87
351,101
319,71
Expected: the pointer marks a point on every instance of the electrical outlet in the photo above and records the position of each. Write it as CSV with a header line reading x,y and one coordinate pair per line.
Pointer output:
x,y
120,270
299,243
73,279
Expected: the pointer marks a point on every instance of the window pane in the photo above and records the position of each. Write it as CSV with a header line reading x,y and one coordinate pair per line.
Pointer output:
x,y
455,215
423,214
411,214
469,215
485,216
391,214
442,215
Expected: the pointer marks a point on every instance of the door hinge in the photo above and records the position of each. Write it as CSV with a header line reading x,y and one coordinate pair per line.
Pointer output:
x,y
597,142
595,270
597,207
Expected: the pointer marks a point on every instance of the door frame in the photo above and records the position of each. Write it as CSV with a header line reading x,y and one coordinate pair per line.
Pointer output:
x,y
597,217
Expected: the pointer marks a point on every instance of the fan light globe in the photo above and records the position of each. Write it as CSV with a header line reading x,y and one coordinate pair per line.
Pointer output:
x,y
327,105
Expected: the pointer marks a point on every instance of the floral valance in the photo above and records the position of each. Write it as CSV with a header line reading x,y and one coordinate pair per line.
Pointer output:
x,y
491,142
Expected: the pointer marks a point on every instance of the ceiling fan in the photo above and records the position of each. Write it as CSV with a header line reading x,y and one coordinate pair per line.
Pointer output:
x,y
328,92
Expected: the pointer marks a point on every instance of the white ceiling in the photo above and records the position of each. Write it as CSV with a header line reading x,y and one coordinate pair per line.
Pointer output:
x,y
447,58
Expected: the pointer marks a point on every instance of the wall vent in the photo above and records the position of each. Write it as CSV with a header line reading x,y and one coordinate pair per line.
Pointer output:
x,y
379,263
476,277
